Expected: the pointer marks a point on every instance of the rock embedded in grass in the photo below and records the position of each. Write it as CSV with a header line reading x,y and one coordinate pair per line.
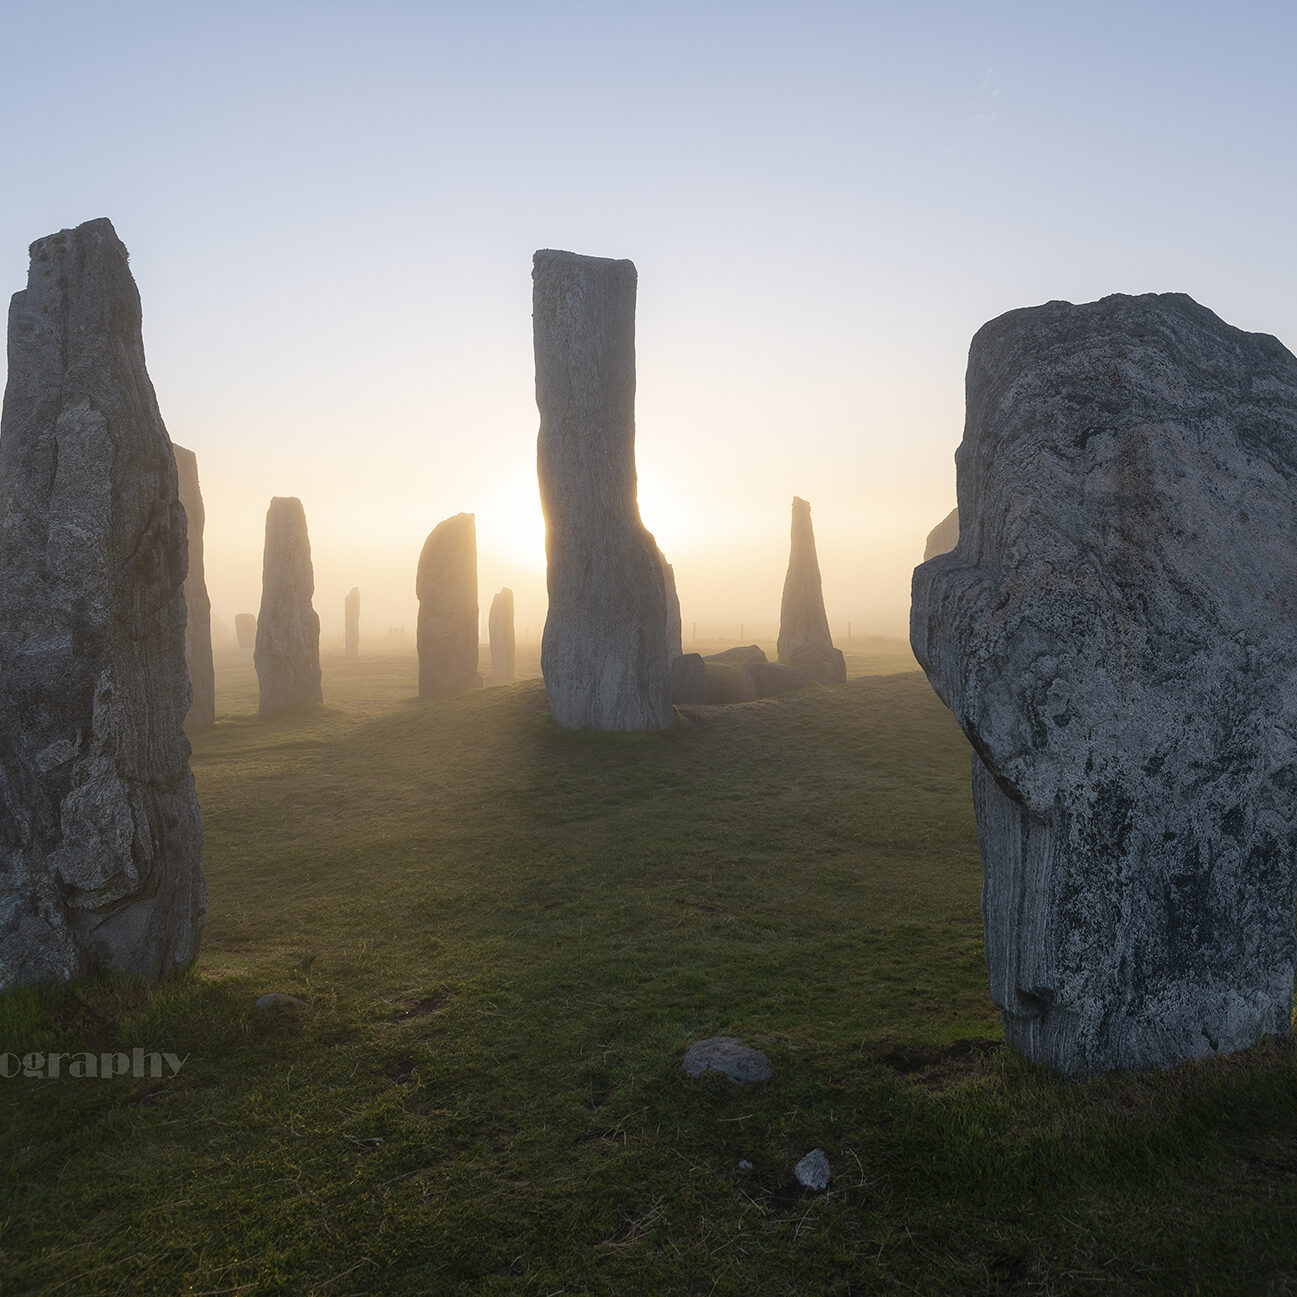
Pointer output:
x,y
812,1172
804,639
287,653
446,584
1114,632
604,652
730,1057
100,860
274,1002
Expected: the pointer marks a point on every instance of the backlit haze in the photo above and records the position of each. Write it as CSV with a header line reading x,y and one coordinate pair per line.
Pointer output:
x,y
331,211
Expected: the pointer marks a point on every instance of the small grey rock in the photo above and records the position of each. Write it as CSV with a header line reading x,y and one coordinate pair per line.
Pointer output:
x,y
278,1002
730,1057
744,1164
812,1171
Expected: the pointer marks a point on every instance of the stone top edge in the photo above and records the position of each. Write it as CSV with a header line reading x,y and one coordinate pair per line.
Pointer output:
x,y
578,258
101,226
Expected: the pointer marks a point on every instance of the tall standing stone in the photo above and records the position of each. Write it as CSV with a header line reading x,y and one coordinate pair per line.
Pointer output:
x,y
351,622
1115,633
198,607
500,629
245,630
675,631
446,584
943,537
603,652
100,857
287,654
804,639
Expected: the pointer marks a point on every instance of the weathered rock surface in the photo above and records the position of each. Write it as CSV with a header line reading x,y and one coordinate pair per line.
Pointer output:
x,y
730,1057
100,855
198,607
1115,633
675,631
245,630
499,625
351,623
603,653
738,655
943,537
447,588
804,639
687,677
812,1172
287,654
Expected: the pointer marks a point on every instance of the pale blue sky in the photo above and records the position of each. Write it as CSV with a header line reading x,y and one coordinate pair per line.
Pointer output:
x,y
331,211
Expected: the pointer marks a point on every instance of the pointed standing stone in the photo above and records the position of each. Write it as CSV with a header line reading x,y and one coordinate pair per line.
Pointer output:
x,y
287,655
500,628
198,608
804,639
943,537
351,622
245,630
1115,634
446,584
100,858
603,653
675,631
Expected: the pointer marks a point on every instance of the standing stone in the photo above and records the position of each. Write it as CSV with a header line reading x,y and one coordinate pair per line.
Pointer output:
x,y
446,584
287,654
100,857
943,537
351,622
675,631
1115,634
245,630
500,628
198,608
804,639
603,652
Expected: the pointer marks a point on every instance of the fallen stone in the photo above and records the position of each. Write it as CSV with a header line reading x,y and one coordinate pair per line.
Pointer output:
x,y
730,1057
603,654
500,629
761,679
287,653
943,537
812,1172
100,858
198,607
279,1002
245,630
804,639
447,588
737,655
351,623
1114,634
688,679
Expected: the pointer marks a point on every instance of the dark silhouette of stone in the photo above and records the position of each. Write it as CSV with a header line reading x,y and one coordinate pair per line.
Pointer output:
x,y
737,655
447,588
688,678
1114,632
500,629
100,855
943,537
245,630
603,653
287,654
198,607
804,639
675,631
351,623
762,679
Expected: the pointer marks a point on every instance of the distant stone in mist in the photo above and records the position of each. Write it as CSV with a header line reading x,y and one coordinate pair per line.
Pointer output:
x,y
500,629
245,630
675,631
603,654
446,584
198,607
1115,634
687,678
100,858
943,537
737,655
762,679
804,639
351,623
287,654
220,633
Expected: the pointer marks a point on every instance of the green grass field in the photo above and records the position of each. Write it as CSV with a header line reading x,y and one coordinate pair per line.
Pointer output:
x,y
507,935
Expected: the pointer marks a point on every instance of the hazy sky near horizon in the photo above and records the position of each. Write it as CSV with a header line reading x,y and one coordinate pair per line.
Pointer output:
x,y
331,211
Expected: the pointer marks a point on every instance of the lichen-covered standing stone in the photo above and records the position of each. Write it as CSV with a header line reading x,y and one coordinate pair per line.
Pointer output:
x,y
446,584
1116,633
287,654
100,853
198,607
500,630
603,653
804,639
351,623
